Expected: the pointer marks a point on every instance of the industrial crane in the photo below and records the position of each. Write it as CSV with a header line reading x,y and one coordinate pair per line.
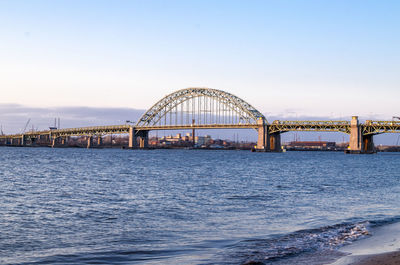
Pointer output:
x,y
26,125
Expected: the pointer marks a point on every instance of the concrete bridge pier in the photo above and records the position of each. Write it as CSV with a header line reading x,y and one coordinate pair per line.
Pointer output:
x,y
142,136
368,143
263,136
267,142
89,141
132,138
64,141
359,143
53,141
275,142
143,139
99,140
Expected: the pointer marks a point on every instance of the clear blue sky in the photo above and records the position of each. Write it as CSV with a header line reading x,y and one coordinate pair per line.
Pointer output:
x,y
321,58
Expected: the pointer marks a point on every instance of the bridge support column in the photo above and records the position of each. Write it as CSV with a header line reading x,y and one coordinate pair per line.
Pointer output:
x,y
53,141
99,140
132,138
89,141
267,142
144,139
359,143
368,144
263,136
355,143
275,142
64,141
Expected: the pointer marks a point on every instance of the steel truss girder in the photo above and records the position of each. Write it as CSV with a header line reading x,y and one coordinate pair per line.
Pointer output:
x,y
96,130
319,126
378,127
246,112
82,131
369,128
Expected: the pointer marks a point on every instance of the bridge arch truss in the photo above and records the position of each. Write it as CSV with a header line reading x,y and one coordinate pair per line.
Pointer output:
x,y
202,106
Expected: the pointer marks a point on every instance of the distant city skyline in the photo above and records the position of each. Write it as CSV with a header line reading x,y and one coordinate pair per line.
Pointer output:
x,y
321,58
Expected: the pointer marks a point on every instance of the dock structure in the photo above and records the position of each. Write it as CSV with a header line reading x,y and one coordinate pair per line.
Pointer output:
x,y
205,108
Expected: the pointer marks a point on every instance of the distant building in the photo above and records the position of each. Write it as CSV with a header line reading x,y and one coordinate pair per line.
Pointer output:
x,y
203,140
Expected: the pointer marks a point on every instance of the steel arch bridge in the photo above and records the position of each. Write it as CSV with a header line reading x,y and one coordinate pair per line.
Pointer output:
x,y
206,108
200,106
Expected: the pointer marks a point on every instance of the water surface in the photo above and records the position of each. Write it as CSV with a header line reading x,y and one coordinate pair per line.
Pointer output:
x,y
77,206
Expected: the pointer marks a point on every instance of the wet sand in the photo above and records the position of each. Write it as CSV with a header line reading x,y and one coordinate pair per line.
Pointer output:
x,y
392,258
381,247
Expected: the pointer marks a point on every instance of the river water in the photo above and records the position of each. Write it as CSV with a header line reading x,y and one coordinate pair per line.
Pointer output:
x,y
111,206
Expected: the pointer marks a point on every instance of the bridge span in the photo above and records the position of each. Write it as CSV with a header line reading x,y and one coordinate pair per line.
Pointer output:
x,y
205,108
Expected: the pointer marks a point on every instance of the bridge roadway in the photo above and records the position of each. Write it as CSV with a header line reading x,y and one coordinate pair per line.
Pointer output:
x,y
268,134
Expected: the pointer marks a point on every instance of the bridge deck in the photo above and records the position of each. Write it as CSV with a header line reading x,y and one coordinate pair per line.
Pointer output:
x,y
321,126
369,128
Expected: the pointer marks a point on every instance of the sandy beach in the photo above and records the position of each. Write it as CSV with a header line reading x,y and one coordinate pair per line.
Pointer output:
x,y
392,258
382,247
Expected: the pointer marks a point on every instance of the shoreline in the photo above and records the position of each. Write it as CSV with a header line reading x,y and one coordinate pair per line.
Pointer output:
x,y
381,248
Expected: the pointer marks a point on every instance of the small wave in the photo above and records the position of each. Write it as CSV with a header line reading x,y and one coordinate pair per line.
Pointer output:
x,y
320,239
